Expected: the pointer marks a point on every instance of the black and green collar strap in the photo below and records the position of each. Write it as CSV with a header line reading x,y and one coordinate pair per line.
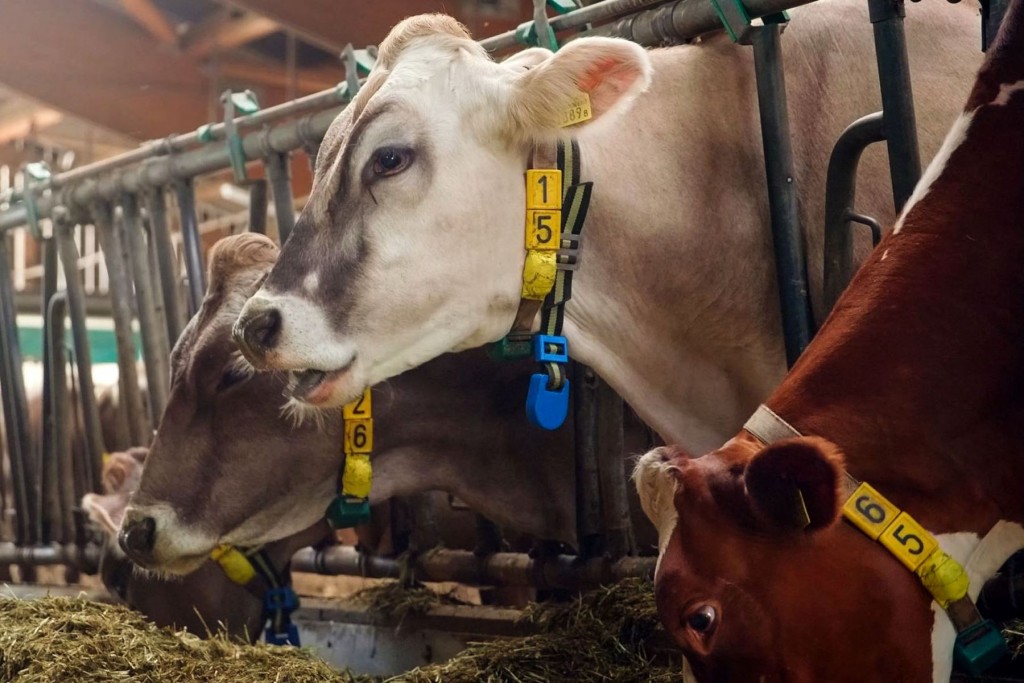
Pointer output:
x,y
979,643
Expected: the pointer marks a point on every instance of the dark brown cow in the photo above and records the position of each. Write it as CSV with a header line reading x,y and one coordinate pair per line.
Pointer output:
x,y
229,466
916,381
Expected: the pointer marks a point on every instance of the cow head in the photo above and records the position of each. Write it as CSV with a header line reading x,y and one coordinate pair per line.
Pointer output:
x,y
223,459
411,244
756,579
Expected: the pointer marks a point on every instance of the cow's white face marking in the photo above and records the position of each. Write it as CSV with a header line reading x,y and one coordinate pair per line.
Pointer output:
x,y
656,485
957,134
435,250
311,282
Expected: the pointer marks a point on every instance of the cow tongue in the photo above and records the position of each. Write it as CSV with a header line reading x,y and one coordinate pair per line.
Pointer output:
x,y
306,381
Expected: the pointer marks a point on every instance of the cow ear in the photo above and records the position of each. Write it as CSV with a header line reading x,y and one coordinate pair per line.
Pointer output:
x,y
106,510
610,71
239,260
795,484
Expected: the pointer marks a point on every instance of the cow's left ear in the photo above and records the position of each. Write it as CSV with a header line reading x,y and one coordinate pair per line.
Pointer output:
x,y
795,484
609,71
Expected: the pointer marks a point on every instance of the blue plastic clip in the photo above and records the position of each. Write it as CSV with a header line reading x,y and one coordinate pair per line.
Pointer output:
x,y
283,599
547,408
289,637
550,348
978,648
345,512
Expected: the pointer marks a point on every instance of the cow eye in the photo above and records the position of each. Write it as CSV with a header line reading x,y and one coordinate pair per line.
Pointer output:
x,y
391,160
703,619
230,378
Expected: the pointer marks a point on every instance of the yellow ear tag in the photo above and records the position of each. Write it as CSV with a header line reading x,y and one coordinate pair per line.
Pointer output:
x,y
578,110
236,566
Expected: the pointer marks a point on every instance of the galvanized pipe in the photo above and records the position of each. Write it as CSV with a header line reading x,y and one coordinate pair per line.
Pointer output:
x,y
787,237
15,404
160,234
683,20
840,192
279,171
897,97
191,242
565,572
53,524
94,446
45,446
258,206
615,517
155,348
40,555
589,542
129,398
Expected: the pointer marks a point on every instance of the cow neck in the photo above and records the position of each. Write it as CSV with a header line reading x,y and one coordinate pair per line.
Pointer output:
x,y
254,571
556,210
979,644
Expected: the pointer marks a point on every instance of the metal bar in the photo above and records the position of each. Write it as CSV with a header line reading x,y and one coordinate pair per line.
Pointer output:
x,y
94,447
154,344
566,572
160,233
163,171
120,293
840,192
599,11
589,541
790,263
156,285
191,243
897,97
683,20
44,453
87,556
15,405
56,511
618,526
258,206
279,170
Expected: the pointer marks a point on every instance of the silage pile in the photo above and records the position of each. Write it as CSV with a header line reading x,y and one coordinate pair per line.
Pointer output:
x,y
63,640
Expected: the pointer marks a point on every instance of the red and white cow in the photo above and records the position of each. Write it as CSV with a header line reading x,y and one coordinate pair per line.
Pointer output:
x,y
914,386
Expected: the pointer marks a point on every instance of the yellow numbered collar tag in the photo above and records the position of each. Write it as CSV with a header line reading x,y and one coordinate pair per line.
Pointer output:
x,y
351,506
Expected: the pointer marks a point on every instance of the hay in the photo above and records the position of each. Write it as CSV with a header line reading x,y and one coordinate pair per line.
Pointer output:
x,y
609,635
1013,631
53,640
395,601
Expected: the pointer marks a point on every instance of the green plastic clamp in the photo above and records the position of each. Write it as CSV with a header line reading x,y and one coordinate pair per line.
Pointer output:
x,y
978,648
33,172
511,347
245,104
345,512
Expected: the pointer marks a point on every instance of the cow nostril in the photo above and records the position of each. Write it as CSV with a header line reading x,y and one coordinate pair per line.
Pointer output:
x,y
259,331
137,536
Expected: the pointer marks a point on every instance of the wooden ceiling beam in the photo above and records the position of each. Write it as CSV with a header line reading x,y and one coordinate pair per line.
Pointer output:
x,y
226,33
148,16
307,80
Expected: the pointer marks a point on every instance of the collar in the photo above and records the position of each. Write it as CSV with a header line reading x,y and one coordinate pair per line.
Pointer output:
x,y
254,571
979,643
351,507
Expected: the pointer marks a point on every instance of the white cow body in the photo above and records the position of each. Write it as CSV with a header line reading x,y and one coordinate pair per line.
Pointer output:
x,y
675,303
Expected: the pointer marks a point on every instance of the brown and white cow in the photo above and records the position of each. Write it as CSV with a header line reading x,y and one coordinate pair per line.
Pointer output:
x,y
913,385
411,244
229,465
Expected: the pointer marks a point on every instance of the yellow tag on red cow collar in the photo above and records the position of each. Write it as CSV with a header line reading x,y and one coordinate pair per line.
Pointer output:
x,y
908,542
578,111
543,231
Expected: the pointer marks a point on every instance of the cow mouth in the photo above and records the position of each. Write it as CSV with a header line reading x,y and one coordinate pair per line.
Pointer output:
x,y
317,386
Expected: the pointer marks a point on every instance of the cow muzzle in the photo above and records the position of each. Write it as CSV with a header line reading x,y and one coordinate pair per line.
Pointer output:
x,y
137,538
257,331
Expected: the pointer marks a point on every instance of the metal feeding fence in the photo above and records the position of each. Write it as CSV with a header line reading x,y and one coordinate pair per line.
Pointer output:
x,y
123,202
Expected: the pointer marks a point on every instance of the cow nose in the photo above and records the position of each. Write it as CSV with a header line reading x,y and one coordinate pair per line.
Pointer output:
x,y
137,537
257,331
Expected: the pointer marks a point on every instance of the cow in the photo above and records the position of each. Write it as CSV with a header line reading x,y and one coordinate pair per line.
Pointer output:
x,y
236,460
411,244
206,601
912,387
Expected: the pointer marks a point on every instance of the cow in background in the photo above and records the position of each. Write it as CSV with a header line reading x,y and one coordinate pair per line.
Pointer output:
x,y
237,461
913,386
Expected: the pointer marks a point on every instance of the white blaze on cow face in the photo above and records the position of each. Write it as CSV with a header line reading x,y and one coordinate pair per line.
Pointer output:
x,y
415,228
656,485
